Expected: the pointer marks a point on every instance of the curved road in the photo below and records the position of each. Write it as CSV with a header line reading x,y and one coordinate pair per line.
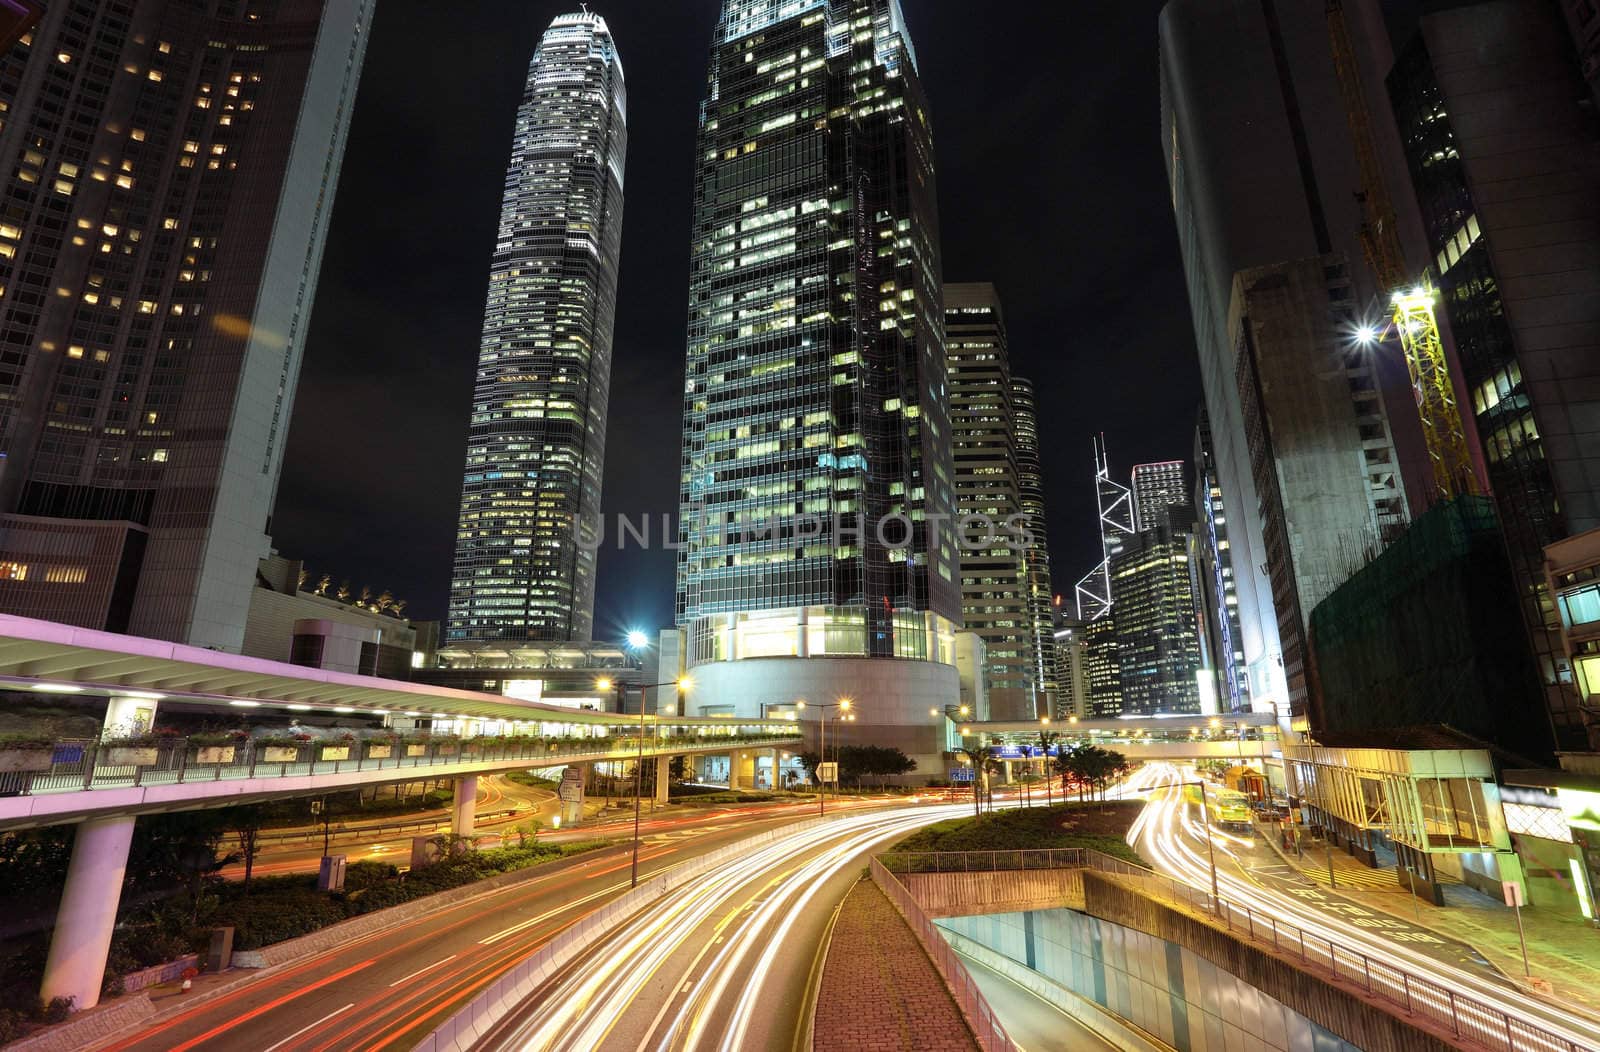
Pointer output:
x,y
724,962
388,989
1169,833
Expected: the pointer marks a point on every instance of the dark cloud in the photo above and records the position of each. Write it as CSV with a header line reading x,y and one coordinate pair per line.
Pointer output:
x,y
1050,183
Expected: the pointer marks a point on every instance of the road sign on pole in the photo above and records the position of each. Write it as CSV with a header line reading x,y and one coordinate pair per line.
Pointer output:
x,y
828,772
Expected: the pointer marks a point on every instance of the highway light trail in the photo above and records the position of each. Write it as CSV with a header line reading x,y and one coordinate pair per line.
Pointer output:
x,y
739,914
1167,834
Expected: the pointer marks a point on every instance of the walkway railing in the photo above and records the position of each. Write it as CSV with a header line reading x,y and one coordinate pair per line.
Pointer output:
x,y
78,764
1465,1018
992,1037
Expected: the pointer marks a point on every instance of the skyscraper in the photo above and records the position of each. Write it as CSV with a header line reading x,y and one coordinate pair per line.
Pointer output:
x,y
1213,574
173,171
817,489
538,433
1504,167
1030,491
1158,644
1263,172
995,596
1156,487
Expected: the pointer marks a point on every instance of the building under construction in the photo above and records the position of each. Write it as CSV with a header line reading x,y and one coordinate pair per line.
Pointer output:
x,y
1428,633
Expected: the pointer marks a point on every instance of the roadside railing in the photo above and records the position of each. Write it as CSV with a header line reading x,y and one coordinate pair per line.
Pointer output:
x,y
78,764
992,1037
1464,1017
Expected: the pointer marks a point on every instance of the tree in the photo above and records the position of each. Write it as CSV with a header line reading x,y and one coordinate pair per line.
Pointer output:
x,y
245,821
809,761
1046,740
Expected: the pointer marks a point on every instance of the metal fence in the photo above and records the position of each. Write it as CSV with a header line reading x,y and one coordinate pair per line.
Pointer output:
x,y
992,1037
78,764
1466,1018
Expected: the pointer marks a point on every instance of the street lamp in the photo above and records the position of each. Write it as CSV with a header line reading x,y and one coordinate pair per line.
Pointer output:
x,y
843,705
1211,855
635,640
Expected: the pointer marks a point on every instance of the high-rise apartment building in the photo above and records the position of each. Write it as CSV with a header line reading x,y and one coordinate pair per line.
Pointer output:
x,y
1264,176
1030,491
1158,643
818,497
1505,165
1157,487
995,596
530,496
172,172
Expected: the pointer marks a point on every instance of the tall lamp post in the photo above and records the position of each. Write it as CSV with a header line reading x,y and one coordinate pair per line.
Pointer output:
x,y
637,640
1211,855
843,705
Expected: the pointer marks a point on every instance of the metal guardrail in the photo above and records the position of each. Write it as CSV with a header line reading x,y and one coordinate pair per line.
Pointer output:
x,y
992,1037
371,829
76,765
1466,1018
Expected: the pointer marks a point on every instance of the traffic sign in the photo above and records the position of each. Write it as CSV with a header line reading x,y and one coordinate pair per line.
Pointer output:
x,y
828,772
961,774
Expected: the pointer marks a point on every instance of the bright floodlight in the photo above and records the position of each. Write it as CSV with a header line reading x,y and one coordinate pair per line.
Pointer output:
x,y
602,684
1366,334
684,682
637,639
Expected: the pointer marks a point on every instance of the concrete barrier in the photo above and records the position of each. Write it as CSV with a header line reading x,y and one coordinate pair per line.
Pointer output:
x,y
1002,891
89,1028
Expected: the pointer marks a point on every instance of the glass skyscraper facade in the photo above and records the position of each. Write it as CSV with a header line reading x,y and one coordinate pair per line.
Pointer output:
x,y
817,495
1155,488
173,168
537,440
1030,492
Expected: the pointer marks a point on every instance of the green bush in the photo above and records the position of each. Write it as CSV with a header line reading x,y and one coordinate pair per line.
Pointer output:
x,y
13,1025
54,1011
368,873
261,920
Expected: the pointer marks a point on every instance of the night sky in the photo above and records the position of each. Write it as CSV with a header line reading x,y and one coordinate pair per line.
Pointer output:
x,y
1045,120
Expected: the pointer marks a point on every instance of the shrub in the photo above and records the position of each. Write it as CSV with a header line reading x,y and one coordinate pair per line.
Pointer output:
x,y
56,1010
368,873
261,920
12,1025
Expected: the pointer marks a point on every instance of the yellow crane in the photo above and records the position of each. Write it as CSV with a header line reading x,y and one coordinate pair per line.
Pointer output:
x,y
1412,302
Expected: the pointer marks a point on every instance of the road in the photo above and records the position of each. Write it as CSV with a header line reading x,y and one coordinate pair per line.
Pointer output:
x,y
1031,1022
725,961
388,989
495,793
1169,832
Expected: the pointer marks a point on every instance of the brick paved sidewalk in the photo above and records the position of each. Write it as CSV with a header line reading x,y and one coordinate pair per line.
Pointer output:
x,y
1563,948
880,992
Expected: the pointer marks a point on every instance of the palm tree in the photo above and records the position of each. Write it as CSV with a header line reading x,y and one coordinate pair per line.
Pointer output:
x,y
1047,739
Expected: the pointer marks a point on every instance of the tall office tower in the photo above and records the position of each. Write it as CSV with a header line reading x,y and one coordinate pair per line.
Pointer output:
x,y
538,436
1156,487
173,168
1506,169
1212,570
995,596
1030,489
1264,183
1072,689
817,487
1102,669
1158,645
1114,505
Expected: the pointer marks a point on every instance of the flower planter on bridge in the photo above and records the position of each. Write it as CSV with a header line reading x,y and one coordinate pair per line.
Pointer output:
x,y
25,759
280,754
214,754
416,750
333,753
379,752
132,756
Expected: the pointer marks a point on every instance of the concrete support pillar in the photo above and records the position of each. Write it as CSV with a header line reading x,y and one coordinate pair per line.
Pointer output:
x,y
663,778
128,714
464,810
777,779
738,769
88,912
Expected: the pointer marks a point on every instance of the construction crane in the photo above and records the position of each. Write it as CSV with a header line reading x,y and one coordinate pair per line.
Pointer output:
x,y
1412,302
